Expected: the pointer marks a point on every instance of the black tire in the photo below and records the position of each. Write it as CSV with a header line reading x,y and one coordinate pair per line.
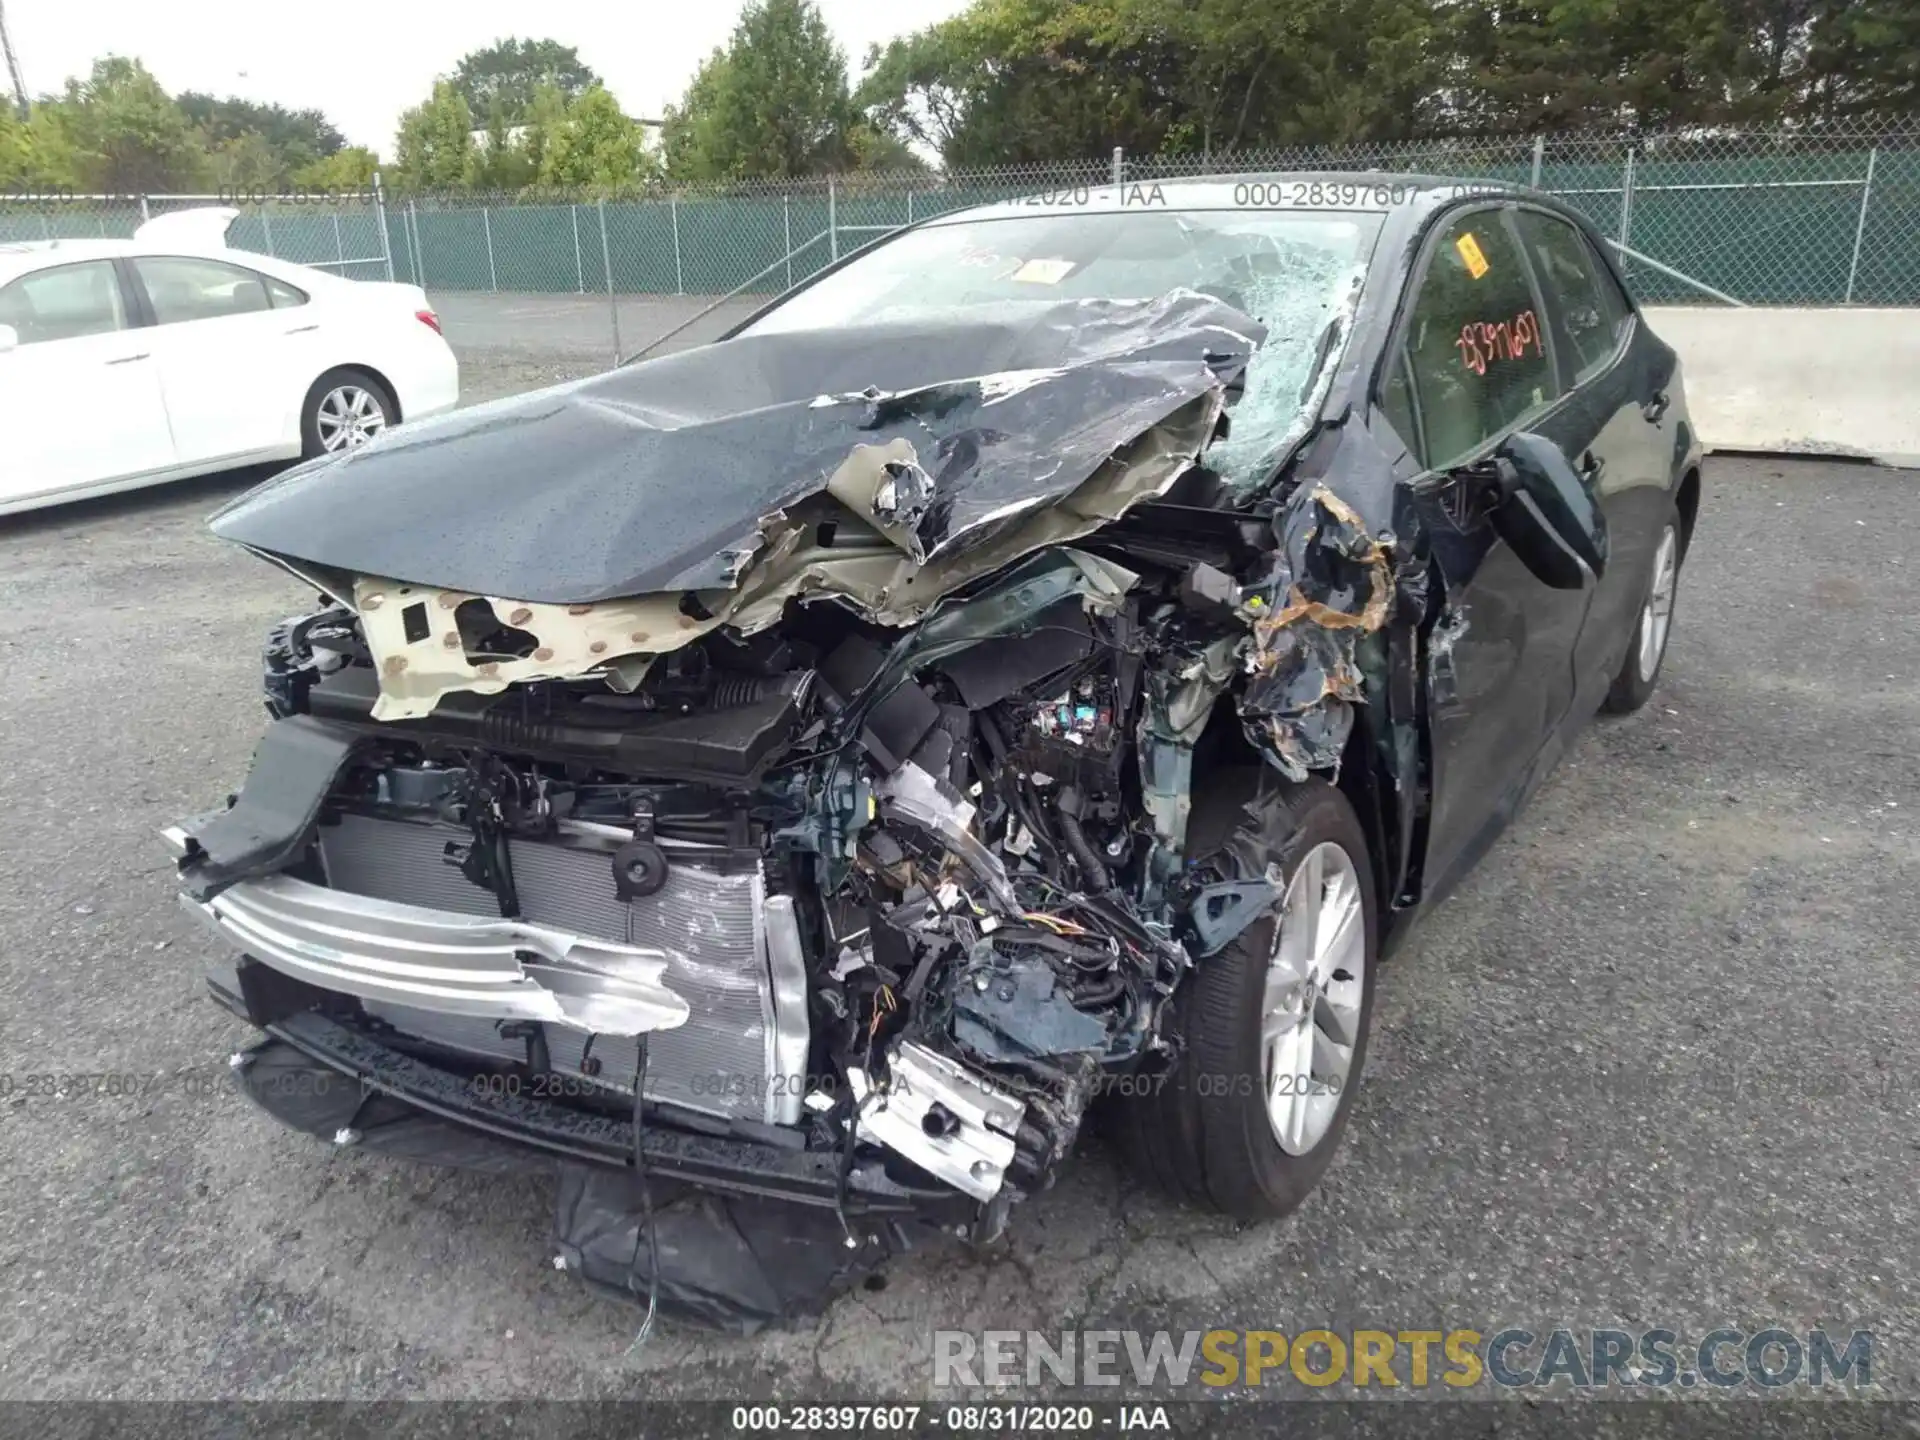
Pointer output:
x,y
346,375
1635,683
1200,1131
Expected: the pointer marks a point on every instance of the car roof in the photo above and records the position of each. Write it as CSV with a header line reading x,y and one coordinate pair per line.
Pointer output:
x,y
19,256
1375,191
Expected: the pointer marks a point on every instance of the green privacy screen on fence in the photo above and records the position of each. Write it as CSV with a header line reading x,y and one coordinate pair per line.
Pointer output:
x,y
1770,218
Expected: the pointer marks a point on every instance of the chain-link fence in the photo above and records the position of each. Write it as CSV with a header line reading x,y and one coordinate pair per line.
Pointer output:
x,y
338,232
1827,216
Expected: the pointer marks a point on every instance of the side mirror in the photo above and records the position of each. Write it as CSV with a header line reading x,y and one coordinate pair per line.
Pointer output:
x,y
9,339
1545,513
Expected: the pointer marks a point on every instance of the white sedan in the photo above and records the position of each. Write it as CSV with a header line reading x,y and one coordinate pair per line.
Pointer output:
x,y
131,362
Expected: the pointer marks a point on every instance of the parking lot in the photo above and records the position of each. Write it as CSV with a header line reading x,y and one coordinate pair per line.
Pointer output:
x,y
509,343
1654,1065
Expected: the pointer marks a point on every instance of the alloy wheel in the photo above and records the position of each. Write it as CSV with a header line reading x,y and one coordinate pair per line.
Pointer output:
x,y
1310,1009
1657,617
348,417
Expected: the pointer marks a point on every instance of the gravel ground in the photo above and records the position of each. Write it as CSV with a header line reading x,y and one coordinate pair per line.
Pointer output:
x,y
1651,1066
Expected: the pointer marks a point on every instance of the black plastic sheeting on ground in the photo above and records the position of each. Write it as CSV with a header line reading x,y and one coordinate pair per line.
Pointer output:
x,y
581,492
726,1264
736,1265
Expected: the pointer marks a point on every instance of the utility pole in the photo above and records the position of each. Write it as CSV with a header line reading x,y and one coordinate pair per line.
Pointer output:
x,y
13,65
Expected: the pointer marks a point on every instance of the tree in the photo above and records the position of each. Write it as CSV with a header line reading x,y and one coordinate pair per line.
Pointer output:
x,y
296,138
871,148
1019,80
502,163
126,133
772,102
1607,64
16,163
347,170
546,117
1863,58
597,148
511,71
246,164
434,149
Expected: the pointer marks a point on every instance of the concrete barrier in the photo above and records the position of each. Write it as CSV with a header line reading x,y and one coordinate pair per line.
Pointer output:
x,y
1811,381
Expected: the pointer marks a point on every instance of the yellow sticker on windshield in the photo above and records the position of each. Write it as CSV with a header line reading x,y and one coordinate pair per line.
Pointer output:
x,y
1469,249
1044,272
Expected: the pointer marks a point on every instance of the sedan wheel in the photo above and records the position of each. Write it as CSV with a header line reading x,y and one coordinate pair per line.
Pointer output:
x,y
348,417
1310,1021
1658,614
1647,647
1269,1033
344,409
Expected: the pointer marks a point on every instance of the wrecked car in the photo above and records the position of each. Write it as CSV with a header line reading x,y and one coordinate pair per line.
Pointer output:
x,y
1030,672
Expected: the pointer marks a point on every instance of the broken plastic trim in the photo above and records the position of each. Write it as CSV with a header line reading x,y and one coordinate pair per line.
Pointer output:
x,y
917,797
459,964
1222,912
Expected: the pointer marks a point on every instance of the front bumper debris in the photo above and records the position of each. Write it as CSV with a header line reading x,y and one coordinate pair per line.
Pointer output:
x,y
951,1122
375,1078
735,1252
495,969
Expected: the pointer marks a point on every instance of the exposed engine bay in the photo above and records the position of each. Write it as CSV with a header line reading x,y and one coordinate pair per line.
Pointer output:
x,y
912,900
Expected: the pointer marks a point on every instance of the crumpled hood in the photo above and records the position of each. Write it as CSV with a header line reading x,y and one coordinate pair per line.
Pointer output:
x,y
657,477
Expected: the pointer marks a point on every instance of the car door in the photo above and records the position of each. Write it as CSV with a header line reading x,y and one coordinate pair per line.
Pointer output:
x,y
1472,362
225,354
1619,441
80,400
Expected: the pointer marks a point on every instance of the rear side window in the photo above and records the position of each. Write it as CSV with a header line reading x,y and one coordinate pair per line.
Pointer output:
x,y
182,289
1477,355
1586,314
64,303
285,297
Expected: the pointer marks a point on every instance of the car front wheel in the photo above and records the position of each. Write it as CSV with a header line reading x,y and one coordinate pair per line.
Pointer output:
x,y
344,409
1271,1030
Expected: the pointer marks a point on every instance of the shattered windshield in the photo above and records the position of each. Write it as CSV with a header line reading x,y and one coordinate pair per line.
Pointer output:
x,y
1293,271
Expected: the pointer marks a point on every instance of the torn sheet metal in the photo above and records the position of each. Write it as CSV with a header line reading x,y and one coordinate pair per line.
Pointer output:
x,y
427,642
419,635
663,476
1333,585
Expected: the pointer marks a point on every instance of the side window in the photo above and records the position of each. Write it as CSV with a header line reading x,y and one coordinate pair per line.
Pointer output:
x,y
64,303
1396,403
183,289
1585,316
1479,362
285,297
1613,299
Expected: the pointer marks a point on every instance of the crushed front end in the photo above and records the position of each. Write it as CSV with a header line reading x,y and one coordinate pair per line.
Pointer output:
x,y
883,906
839,859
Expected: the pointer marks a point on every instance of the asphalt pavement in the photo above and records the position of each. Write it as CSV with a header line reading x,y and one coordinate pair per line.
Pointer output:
x,y
1654,1065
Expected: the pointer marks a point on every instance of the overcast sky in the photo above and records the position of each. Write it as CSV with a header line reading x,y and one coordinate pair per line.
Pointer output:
x,y
364,64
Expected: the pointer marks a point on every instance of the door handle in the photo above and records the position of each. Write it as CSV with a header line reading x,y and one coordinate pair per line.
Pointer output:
x,y
300,330
129,359
1655,408
1591,467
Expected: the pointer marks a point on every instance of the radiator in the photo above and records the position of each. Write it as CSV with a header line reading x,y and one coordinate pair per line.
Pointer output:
x,y
741,1053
